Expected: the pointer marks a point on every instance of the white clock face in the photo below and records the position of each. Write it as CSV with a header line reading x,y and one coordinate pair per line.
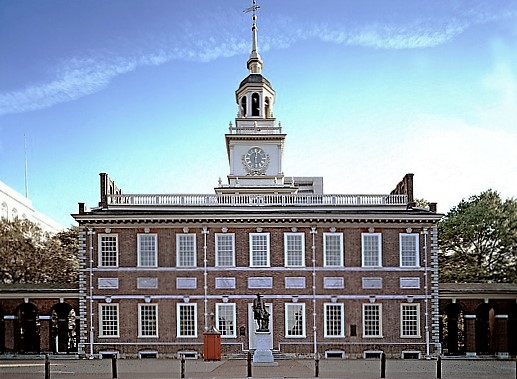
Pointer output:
x,y
255,158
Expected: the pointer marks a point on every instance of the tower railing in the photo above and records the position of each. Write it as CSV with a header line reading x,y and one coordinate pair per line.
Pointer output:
x,y
252,200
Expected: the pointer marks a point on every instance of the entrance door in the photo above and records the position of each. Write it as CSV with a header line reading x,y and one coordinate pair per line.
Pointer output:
x,y
62,331
27,329
252,324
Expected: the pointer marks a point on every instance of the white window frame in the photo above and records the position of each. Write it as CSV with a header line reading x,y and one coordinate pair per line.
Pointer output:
x,y
379,307
341,252
342,321
379,249
417,245
253,251
178,252
102,321
217,248
178,320
233,318
288,249
415,306
140,320
101,251
139,249
289,325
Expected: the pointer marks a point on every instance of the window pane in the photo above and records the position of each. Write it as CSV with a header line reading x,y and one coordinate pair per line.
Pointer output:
x,y
108,320
334,320
259,250
186,250
187,320
409,250
294,246
371,250
372,320
333,250
295,320
225,314
409,320
148,320
147,250
108,249
225,250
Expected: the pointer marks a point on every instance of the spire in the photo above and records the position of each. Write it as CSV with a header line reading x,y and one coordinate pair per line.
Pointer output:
x,y
254,63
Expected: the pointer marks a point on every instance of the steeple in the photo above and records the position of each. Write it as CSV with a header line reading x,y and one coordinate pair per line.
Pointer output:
x,y
254,63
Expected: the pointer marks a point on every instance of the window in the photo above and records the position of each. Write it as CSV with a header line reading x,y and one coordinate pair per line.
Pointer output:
x,y
255,104
5,211
225,316
108,320
147,320
147,250
186,319
225,249
259,249
371,249
333,249
108,250
294,249
410,320
372,320
409,250
334,320
186,250
295,320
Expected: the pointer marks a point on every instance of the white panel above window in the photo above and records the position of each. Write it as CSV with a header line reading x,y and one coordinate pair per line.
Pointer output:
x,y
295,282
147,283
186,283
410,282
260,282
107,283
225,283
372,283
334,282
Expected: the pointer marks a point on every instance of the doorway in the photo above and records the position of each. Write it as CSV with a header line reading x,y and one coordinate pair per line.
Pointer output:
x,y
27,329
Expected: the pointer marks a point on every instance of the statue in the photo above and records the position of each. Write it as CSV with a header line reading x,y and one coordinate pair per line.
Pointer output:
x,y
260,314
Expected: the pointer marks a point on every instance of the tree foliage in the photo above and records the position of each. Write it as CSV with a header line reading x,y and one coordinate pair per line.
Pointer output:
x,y
30,255
478,241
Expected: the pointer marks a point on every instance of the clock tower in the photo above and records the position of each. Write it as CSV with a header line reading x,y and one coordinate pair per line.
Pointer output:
x,y
255,142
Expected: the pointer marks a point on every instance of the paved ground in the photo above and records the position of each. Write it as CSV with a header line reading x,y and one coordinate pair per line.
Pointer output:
x,y
171,368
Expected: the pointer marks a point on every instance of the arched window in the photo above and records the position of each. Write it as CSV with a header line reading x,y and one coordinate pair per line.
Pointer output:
x,y
255,104
243,106
15,213
268,107
5,211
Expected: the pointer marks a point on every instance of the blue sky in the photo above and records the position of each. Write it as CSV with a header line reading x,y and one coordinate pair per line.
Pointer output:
x,y
366,92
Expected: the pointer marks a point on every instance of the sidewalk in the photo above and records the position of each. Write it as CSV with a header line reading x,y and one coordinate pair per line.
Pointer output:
x,y
229,369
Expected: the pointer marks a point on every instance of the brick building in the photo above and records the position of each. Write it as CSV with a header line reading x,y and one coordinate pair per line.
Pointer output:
x,y
343,275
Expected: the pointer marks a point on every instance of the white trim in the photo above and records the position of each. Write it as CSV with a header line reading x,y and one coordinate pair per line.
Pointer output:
x,y
419,333
155,306
178,321
99,249
341,252
379,306
138,252
342,321
189,235
286,324
234,319
268,249
216,239
417,252
379,249
100,320
302,252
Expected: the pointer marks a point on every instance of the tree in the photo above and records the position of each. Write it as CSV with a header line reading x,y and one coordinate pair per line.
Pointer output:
x,y
478,241
29,255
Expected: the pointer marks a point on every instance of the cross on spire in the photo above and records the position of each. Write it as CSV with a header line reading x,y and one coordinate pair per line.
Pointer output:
x,y
254,62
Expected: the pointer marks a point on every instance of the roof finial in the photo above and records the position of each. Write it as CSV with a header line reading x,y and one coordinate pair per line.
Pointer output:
x,y
254,61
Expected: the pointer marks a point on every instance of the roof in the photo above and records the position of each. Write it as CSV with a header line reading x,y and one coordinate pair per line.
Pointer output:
x,y
460,289
255,78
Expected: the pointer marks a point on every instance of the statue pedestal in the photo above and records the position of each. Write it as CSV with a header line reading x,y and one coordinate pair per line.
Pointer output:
x,y
263,356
